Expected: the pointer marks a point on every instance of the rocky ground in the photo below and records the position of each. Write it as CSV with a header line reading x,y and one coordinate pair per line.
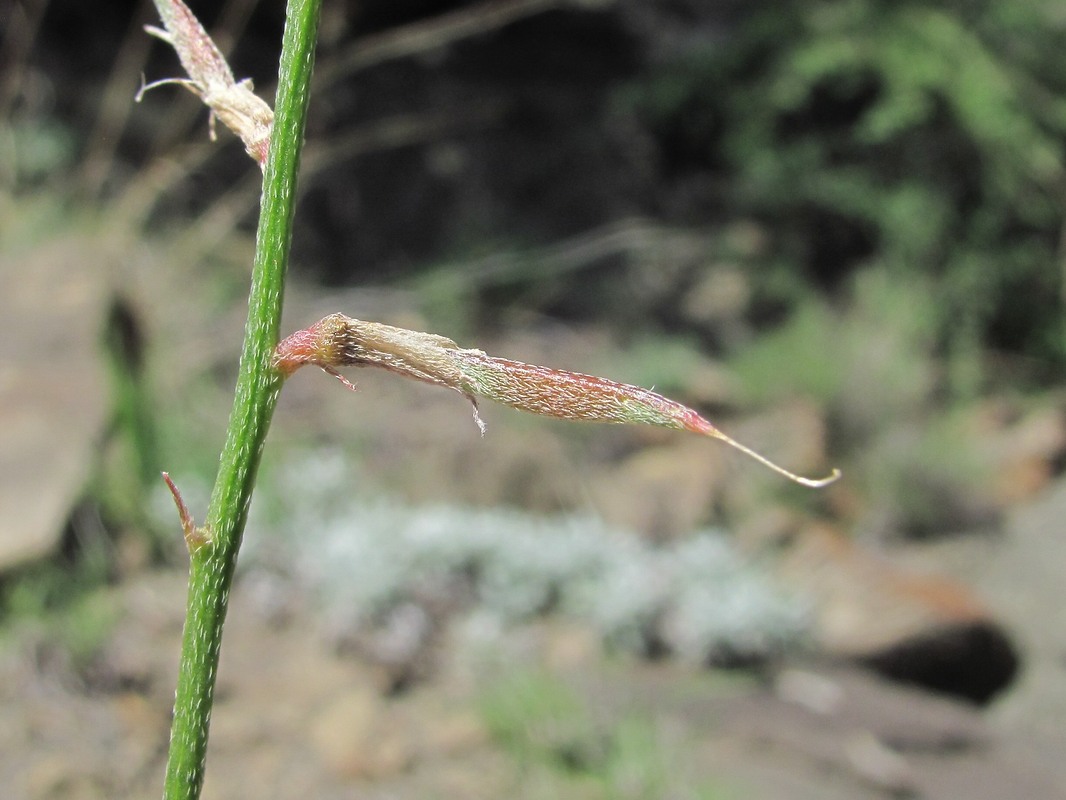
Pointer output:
x,y
295,718
298,716
86,702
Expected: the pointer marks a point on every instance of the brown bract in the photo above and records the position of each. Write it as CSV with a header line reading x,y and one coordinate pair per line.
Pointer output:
x,y
210,78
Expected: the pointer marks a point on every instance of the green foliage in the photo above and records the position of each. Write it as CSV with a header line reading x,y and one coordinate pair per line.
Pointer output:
x,y
536,716
871,362
928,482
876,367
565,752
123,484
36,150
84,626
65,603
924,137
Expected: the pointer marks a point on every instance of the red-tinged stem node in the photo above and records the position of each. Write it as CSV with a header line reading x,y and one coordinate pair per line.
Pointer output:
x,y
316,345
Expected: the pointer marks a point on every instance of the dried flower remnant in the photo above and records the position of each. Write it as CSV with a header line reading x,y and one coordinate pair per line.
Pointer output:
x,y
210,79
339,341
195,537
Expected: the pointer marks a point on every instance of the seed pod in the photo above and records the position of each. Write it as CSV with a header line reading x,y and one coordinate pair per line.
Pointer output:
x,y
338,341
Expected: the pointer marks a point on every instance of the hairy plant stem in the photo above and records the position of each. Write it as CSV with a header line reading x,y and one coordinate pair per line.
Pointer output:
x,y
258,383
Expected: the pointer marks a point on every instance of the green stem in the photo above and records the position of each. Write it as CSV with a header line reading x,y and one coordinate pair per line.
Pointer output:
x,y
258,383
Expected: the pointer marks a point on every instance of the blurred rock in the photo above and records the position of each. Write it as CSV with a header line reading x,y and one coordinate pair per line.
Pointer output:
x,y
768,527
879,765
402,646
56,776
922,629
1023,450
898,740
791,434
682,484
963,474
354,738
454,734
1019,573
53,398
718,301
662,492
570,646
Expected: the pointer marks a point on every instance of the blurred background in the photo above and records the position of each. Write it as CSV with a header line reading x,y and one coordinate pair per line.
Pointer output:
x,y
834,228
